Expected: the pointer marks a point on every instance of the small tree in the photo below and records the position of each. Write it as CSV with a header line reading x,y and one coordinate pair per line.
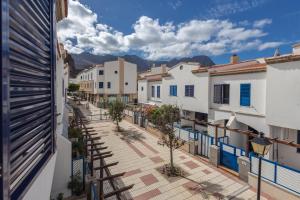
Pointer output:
x,y
165,117
116,109
73,87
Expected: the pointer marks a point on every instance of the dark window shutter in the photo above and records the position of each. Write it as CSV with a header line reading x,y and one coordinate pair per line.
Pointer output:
x,y
29,54
225,91
218,94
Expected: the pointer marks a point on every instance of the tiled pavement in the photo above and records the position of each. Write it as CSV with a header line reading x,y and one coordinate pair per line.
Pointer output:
x,y
139,155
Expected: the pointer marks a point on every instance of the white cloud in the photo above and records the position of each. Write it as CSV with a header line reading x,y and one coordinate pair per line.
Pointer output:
x,y
269,45
262,23
221,8
81,31
175,4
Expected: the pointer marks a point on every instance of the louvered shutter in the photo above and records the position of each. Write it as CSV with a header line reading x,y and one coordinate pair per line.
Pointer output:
x,y
245,90
30,101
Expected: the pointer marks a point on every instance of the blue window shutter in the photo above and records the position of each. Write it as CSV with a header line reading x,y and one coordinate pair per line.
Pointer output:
x,y
152,91
173,90
158,91
27,86
245,94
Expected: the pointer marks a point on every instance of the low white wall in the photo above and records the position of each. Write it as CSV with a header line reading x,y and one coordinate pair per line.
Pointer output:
x,y
63,167
41,188
275,191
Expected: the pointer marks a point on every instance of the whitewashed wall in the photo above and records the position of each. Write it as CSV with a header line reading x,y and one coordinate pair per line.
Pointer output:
x,y
142,94
155,84
286,155
258,93
198,103
63,167
41,187
100,78
283,95
130,76
110,76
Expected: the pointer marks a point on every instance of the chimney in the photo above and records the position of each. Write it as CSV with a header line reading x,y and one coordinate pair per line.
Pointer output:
x,y
276,53
164,68
296,49
234,59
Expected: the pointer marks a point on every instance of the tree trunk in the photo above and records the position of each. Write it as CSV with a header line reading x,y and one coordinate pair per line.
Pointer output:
x,y
171,157
118,128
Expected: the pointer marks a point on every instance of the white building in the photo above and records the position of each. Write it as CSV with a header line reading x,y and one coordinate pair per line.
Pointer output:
x,y
237,98
186,86
114,79
149,85
283,105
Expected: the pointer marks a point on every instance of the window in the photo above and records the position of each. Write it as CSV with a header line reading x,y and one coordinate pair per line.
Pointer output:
x,y
116,72
298,140
126,83
245,94
189,90
158,91
201,117
91,76
142,88
101,84
173,90
152,91
108,85
81,77
101,72
221,93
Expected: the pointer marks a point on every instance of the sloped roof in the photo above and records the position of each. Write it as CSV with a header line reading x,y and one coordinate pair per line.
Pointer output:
x,y
250,66
283,59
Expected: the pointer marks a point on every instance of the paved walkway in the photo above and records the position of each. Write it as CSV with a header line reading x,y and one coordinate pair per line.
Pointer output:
x,y
139,155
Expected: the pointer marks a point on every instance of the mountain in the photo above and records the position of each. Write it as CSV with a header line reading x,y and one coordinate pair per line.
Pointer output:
x,y
78,62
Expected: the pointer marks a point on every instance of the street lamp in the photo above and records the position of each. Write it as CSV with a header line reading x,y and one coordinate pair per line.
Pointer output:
x,y
261,146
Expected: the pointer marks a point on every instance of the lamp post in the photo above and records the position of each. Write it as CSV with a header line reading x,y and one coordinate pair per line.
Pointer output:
x,y
261,146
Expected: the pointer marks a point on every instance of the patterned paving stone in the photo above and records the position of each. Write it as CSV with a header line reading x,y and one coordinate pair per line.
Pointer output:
x,y
182,157
191,164
141,157
148,195
149,147
132,172
157,159
149,179
136,150
206,171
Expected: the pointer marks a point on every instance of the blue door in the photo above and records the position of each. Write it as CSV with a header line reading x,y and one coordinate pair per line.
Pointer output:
x,y
229,155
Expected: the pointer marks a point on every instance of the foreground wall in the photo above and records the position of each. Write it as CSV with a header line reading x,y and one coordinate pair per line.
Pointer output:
x,y
273,190
41,187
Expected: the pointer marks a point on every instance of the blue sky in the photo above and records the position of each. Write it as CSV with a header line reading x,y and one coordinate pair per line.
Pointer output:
x,y
164,29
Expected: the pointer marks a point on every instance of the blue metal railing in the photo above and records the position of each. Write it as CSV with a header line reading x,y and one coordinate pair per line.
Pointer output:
x,y
94,192
284,176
